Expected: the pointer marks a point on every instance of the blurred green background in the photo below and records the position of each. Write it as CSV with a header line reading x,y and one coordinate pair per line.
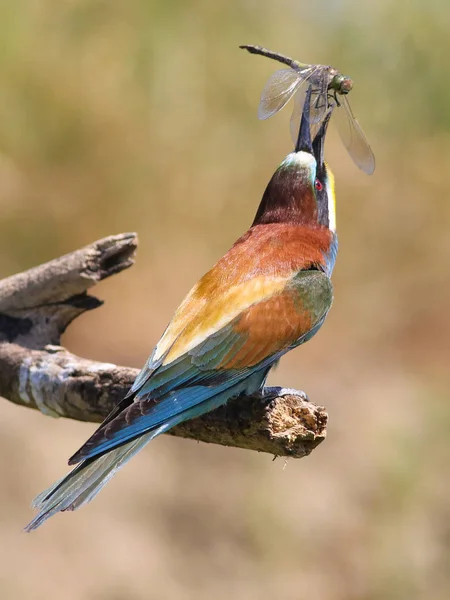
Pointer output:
x,y
141,116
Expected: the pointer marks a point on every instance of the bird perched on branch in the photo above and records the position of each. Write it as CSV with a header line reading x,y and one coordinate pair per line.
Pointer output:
x,y
268,294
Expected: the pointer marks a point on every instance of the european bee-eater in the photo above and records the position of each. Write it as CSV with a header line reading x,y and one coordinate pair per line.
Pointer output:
x,y
268,294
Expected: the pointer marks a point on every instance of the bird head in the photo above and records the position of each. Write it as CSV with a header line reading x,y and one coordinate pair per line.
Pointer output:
x,y
298,191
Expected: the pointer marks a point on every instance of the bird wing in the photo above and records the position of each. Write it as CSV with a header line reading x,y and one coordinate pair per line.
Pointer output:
x,y
220,347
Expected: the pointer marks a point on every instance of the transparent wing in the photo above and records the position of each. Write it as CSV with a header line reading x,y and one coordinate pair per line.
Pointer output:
x,y
279,89
318,77
353,138
299,101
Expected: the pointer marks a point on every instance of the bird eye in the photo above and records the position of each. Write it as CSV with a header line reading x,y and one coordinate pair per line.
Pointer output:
x,y
319,186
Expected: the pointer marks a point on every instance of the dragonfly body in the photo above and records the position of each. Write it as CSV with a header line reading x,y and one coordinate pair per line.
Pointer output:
x,y
326,81
329,90
268,294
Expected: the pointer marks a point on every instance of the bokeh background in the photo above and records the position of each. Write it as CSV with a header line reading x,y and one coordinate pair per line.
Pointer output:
x,y
141,116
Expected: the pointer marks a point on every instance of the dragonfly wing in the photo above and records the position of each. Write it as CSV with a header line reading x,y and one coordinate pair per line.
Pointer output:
x,y
319,95
297,111
318,78
279,89
353,138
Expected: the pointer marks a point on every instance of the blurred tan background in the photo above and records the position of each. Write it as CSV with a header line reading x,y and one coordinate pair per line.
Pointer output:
x,y
141,116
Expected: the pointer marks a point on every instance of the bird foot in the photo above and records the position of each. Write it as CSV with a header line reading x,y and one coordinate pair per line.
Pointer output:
x,y
268,393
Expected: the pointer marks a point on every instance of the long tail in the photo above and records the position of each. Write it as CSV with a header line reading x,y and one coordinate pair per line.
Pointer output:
x,y
84,482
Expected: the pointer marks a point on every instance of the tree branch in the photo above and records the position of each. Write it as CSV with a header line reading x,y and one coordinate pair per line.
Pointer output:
x,y
35,371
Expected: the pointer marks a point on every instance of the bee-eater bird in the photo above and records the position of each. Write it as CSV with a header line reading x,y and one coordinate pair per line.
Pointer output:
x,y
268,294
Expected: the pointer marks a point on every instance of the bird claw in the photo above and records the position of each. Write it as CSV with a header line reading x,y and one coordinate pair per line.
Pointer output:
x,y
268,393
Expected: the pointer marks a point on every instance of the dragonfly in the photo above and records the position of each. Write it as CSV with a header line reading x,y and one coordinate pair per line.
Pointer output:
x,y
329,90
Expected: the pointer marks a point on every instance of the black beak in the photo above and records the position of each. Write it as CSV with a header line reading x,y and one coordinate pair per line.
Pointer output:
x,y
319,140
304,135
